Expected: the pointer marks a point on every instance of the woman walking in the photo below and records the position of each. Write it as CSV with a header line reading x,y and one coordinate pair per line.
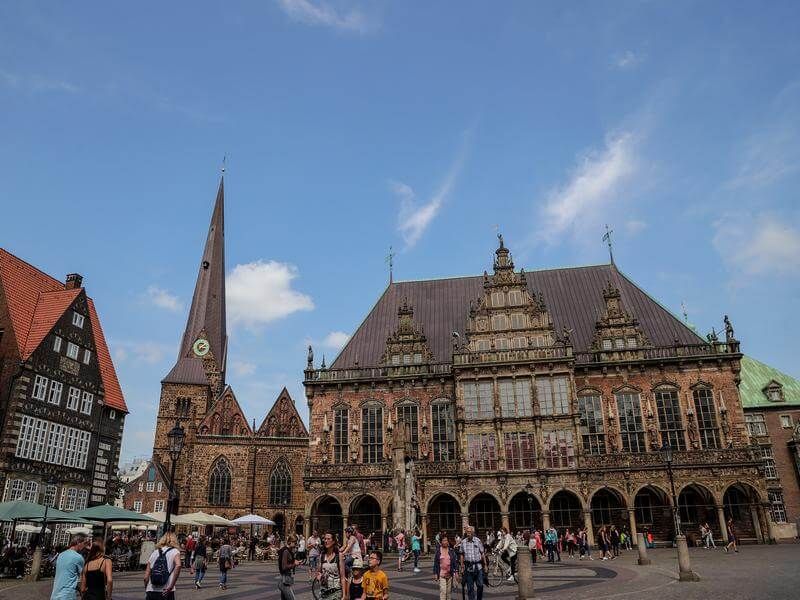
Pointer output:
x,y
445,567
331,570
163,568
286,565
96,578
225,563
200,562
731,537
416,548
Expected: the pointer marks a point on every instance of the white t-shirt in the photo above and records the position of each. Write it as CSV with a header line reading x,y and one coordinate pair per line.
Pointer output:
x,y
301,544
173,560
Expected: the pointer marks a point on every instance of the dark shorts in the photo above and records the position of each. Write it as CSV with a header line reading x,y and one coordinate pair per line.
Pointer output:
x,y
160,596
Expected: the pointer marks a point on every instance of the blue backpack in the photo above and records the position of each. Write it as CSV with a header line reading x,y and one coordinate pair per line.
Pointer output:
x,y
160,571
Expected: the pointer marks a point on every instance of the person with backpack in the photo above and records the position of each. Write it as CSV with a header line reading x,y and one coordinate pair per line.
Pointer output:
x,y
163,569
225,563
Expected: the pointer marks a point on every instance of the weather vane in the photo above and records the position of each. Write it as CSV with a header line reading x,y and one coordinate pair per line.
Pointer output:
x,y
224,162
607,238
390,260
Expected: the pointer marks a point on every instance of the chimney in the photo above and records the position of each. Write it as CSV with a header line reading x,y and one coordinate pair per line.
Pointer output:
x,y
74,281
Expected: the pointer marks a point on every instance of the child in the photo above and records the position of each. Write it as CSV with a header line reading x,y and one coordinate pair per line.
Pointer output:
x,y
376,584
355,584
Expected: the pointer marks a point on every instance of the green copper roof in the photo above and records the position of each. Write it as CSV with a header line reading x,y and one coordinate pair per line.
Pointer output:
x,y
756,376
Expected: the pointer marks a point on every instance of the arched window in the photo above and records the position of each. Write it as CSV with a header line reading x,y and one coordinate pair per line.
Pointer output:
x,y
280,485
219,484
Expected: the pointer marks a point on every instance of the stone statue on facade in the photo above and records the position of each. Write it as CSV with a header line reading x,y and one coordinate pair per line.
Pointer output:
x,y
310,359
728,329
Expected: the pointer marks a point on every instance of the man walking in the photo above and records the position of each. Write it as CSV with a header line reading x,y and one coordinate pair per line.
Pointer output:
x,y
69,567
473,562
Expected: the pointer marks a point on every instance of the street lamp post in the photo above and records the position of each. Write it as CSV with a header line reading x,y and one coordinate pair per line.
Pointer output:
x,y
175,438
685,572
667,457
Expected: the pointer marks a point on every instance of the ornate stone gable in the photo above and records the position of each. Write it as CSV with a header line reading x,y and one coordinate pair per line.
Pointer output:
x,y
283,420
407,344
225,417
618,335
508,315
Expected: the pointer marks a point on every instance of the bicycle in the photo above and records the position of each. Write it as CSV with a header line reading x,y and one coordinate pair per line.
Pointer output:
x,y
497,570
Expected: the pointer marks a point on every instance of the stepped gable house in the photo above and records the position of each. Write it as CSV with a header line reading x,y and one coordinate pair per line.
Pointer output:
x,y
61,407
228,466
530,399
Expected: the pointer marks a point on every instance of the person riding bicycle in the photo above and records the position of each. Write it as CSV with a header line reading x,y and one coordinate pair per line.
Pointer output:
x,y
507,547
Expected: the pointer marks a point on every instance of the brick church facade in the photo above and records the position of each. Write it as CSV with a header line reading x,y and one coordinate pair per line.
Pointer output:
x,y
529,399
228,466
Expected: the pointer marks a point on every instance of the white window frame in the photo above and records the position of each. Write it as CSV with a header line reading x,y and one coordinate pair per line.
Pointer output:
x,y
112,414
87,400
786,421
158,506
151,486
39,388
73,398
54,395
15,489
515,297
87,356
57,341
498,299
756,424
31,492
78,319
72,350
137,506
159,486
141,486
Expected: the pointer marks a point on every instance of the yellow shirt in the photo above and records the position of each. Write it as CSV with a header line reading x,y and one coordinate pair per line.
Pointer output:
x,y
376,584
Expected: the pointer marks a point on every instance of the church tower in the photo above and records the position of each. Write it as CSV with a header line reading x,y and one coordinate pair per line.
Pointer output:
x,y
198,377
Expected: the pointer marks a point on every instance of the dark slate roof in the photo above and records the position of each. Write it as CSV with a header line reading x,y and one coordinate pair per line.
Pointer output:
x,y
187,370
574,298
208,302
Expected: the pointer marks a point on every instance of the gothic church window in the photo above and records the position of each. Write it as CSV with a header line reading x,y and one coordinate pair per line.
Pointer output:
x,y
409,413
443,429
340,431
219,484
593,431
706,418
478,402
280,485
669,419
631,428
372,434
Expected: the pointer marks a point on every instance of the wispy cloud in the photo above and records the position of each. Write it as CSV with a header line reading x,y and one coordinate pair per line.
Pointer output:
x,y
627,60
243,367
772,152
37,83
415,217
260,292
163,299
635,226
760,244
324,14
140,351
595,183
336,340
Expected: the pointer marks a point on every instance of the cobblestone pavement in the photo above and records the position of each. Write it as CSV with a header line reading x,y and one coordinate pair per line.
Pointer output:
x,y
757,572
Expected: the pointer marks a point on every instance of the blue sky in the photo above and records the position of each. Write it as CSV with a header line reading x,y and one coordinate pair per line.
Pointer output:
x,y
353,125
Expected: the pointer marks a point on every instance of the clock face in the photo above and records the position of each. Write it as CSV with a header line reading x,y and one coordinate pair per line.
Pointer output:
x,y
201,347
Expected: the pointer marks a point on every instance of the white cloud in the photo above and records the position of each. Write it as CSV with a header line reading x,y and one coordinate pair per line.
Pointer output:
x,y
143,351
755,245
414,217
260,292
36,83
635,226
242,368
597,182
336,340
322,13
628,60
163,299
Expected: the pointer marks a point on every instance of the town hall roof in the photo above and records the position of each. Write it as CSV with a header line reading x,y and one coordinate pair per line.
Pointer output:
x,y
574,299
36,301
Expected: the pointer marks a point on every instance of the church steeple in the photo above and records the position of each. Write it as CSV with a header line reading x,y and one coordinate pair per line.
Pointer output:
x,y
206,320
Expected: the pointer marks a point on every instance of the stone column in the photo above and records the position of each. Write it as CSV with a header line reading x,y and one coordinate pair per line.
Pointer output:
x,y
546,519
345,517
685,572
524,573
773,534
425,525
587,523
307,525
721,519
504,520
756,523
465,522
383,527
641,547
632,520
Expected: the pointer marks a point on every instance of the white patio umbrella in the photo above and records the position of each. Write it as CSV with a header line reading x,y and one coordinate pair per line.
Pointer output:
x,y
202,518
174,519
79,529
27,528
253,520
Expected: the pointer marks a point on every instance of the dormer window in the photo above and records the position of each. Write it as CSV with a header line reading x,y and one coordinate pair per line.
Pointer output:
x,y
514,298
774,392
77,319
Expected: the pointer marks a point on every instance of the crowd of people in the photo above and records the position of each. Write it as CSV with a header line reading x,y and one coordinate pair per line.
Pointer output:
x,y
350,569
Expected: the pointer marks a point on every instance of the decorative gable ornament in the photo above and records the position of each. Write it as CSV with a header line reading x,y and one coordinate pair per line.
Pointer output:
x,y
774,391
618,335
407,345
